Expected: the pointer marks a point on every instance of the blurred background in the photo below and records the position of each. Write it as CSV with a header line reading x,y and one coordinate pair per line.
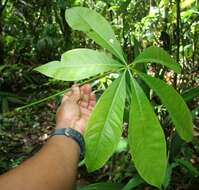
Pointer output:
x,y
34,32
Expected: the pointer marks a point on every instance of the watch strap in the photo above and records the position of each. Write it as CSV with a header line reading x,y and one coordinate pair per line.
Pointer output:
x,y
75,135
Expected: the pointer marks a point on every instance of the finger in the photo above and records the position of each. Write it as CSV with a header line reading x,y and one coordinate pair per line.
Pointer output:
x,y
91,107
92,104
86,88
85,94
92,100
66,96
75,93
85,112
85,100
83,104
92,96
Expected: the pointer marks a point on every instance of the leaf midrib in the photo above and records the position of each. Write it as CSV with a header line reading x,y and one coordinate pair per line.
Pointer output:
x,y
141,113
108,113
115,50
169,108
58,66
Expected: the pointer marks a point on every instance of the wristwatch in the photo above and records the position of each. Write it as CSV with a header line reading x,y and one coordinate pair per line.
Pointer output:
x,y
75,135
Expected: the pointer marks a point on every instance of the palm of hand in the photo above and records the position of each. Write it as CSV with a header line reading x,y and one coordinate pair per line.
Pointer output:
x,y
76,108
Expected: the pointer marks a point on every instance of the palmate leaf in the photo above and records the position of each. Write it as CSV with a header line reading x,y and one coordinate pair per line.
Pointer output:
x,y
175,105
96,27
105,125
79,64
146,139
157,55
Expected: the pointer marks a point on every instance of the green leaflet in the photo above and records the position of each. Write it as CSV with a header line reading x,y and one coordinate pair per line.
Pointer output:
x,y
96,27
105,125
146,139
157,55
79,64
175,105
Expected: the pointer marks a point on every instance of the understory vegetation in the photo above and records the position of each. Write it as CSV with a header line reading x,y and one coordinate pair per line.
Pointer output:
x,y
142,59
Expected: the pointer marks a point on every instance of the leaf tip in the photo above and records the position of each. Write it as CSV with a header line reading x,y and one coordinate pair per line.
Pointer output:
x,y
89,167
189,138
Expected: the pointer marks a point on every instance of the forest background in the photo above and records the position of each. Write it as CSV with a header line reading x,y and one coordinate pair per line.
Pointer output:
x,y
34,32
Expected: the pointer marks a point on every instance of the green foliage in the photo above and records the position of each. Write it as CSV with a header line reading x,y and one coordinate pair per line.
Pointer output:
x,y
2,67
182,119
96,27
157,55
7,98
170,168
122,145
35,32
146,138
79,64
188,165
105,125
190,94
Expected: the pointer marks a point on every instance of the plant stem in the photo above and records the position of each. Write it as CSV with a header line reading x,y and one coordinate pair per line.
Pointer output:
x,y
57,94
130,73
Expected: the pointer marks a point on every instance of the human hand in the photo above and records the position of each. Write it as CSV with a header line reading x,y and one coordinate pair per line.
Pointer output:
x,y
75,108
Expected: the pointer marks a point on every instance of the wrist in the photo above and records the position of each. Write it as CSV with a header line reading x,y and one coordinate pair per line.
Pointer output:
x,y
77,128
73,135
65,125
65,144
